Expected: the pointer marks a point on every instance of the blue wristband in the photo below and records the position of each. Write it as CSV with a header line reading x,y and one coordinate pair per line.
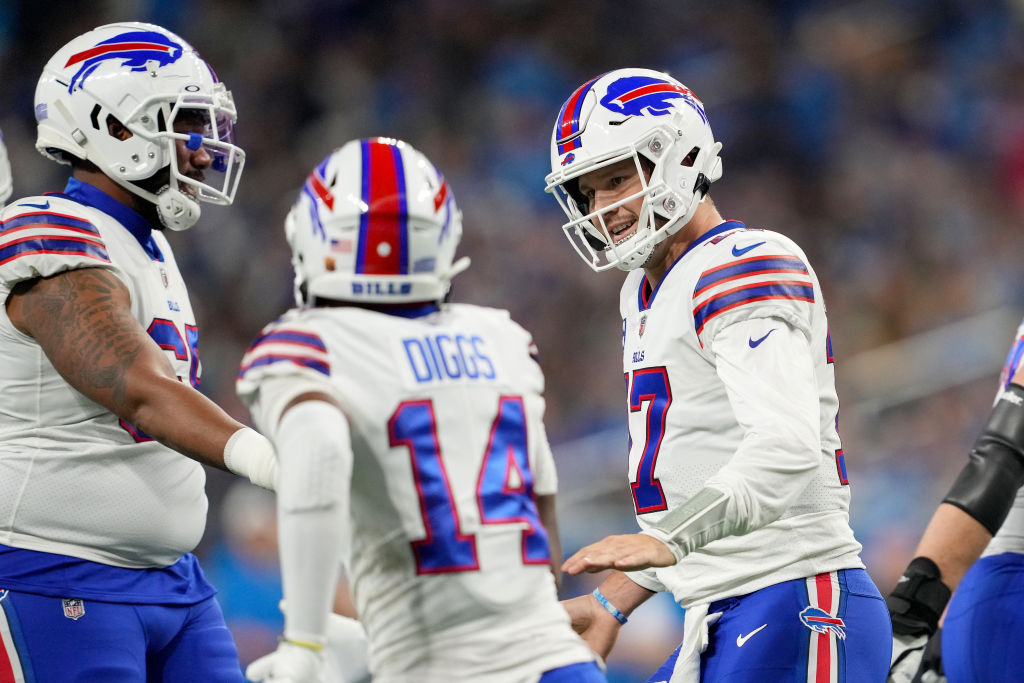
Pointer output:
x,y
612,610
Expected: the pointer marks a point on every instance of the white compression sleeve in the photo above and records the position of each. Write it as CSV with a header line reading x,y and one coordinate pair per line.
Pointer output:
x,y
315,451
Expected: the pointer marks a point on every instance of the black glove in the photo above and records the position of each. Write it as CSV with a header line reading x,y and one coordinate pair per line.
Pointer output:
x,y
915,606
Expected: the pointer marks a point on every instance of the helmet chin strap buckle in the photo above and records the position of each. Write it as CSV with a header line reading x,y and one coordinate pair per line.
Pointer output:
x,y
177,210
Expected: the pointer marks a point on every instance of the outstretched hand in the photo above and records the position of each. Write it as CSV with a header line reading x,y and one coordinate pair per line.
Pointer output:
x,y
627,552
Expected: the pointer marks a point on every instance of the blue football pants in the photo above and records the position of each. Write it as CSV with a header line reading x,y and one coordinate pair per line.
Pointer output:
x,y
829,628
53,640
984,625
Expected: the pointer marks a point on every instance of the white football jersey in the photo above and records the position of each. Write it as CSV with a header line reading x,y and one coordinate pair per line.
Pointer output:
x,y
1010,537
694,407
74,479
448,559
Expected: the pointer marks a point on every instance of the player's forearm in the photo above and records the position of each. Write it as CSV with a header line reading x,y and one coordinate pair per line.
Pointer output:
x,y
626,595
182,418
953,541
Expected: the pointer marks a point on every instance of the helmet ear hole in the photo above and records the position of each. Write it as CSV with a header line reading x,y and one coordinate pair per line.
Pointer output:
x,y
116,129
691,158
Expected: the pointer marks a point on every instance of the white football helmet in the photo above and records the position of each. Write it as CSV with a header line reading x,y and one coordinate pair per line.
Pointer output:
x,y
6,180
143,76
374,223
632,114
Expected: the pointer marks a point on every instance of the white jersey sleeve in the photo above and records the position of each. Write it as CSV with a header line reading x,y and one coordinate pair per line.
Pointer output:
x,y
43,236
774,396
287,358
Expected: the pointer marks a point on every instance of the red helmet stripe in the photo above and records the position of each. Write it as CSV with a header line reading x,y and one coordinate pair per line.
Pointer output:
x,y
383,238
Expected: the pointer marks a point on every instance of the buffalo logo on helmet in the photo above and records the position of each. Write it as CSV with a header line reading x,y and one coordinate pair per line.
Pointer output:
x,y
821,621
136,48
569,158
643,95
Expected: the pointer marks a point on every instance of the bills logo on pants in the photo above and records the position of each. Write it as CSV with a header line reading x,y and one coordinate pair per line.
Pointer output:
x,y
821,616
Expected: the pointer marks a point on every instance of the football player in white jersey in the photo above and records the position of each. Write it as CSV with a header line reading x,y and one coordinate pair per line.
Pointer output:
x,y
735,464
99,507
411,438
982,516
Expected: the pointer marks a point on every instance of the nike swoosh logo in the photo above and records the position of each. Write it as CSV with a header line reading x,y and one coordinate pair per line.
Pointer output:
x,y
754,343
737,251
44,205
741,640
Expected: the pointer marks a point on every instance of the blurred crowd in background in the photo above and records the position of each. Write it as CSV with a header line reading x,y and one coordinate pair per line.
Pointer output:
x,y
885,136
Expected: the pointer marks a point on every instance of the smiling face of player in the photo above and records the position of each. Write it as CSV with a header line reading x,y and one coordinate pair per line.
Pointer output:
x,y
611,184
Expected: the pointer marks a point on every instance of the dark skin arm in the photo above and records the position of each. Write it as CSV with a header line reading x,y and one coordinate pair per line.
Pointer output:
x,y
82,320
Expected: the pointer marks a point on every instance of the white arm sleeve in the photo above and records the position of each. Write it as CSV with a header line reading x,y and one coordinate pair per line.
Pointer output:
x,y
315,453
774,395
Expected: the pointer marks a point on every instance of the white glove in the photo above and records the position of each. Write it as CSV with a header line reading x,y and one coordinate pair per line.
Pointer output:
x,y
289,663
250,454
346,652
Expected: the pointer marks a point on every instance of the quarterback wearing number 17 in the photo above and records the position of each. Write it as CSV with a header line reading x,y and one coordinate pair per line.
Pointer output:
x,y
737,473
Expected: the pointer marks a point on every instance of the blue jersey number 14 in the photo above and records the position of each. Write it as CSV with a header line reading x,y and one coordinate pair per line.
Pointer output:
x,y
504,490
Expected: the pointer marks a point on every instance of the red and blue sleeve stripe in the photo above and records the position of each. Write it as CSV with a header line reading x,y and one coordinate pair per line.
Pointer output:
x,y
70,246
28,221
291,337
387,220
304,361
748,294
290,346
756,265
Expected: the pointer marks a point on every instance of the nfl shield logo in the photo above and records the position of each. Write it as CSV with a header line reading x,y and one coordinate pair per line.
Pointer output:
x,y
643,325
74,608
163,276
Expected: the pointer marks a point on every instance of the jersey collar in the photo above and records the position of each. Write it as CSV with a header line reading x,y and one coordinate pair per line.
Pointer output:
x,y
645,297
132,220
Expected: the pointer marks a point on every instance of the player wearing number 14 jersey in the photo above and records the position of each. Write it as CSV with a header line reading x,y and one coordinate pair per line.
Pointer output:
x,y
735,464
411,439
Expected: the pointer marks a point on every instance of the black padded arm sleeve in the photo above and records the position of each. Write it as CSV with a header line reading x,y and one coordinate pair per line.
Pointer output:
x,y
988,484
